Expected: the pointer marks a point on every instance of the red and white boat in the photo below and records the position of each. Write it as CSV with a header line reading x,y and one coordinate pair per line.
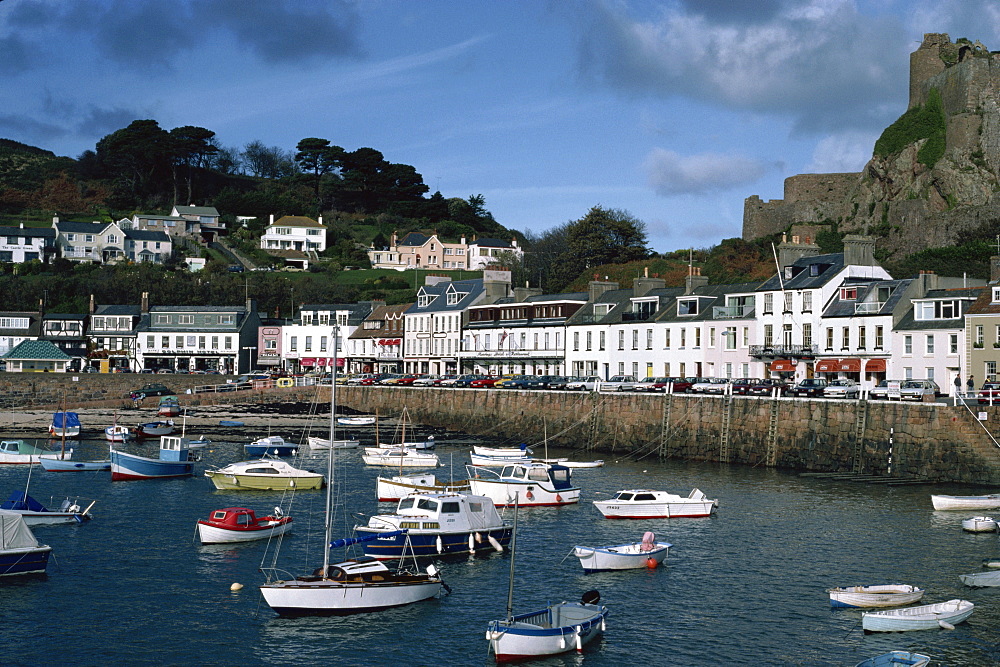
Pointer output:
x,y
647,504
239,524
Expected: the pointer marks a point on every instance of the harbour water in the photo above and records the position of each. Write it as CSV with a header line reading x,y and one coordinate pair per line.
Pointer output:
x,y
747,586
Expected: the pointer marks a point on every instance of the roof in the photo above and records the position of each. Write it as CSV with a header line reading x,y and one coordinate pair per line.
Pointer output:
x,y
295,221
197,210
383,314
39,350
802,278
414,239
64,316
146,235
117,310
471,289
492,243
867,293
82,227
984,305
44,232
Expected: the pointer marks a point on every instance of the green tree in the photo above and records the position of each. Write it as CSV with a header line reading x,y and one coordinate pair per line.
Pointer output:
x,y
190,147
137,158
317,157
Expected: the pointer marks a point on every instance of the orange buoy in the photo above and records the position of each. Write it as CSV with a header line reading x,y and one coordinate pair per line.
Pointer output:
x,y
558,498
530,495
651,563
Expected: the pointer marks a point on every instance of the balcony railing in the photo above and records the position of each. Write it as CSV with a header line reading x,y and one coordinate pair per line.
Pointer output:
x,y
868,307
800,351
732,312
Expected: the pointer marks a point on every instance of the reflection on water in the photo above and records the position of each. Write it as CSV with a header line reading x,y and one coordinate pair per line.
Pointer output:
x,y
746,586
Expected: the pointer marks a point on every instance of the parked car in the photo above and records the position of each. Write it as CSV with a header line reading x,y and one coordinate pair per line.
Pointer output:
x,y
426,380
809,388
679,385
524,382
842,388
465,381
484,382
742,386
510,382
145,370
881,390
154,389
651,384
619,383
165,371
588,383
916,390
990,393
448,380
767,387
360,378
709,385
552,381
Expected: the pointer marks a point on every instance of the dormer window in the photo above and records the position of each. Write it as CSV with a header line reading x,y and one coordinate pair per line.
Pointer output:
x,y
687,306
936,310
848,293
424,300
788,273
814,269
996,295
602,309
455,297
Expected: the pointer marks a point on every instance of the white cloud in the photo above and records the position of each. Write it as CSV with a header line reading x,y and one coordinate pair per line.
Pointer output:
x,y
844,152
670,173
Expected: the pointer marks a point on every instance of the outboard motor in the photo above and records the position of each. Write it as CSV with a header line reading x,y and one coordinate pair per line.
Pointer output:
x,y
591,597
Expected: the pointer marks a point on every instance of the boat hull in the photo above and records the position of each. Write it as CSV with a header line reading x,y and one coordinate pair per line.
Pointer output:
x,y
981,579
945,503
130,467
355,421
71,432
209,534
621,557
255,483
925,617
271,450
433,544
979,524
890,595
527,494
324,597
612,509
390,490
59,465
896,659
32,560
559,628
324,443
405,461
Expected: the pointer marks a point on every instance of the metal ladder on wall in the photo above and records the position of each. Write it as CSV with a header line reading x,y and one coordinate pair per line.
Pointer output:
x,y
771,457
859,434
595,422
727,418
665,426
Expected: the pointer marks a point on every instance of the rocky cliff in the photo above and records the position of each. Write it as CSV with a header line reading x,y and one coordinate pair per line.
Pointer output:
x,y
900,198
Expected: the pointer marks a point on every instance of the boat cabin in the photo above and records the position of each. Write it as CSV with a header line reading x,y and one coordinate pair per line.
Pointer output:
x,y
173,448
559,476
635,496
440,512
234,518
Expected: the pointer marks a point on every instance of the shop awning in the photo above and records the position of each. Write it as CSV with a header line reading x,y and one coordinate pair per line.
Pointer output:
x,y
782,365
307,361
827,366
850,365
875,366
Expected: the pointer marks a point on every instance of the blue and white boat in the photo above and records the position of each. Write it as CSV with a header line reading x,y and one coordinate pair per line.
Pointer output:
x,y
174,461
37,514
436,524
897,659
66,465
647,553
20,552
65,425
272,445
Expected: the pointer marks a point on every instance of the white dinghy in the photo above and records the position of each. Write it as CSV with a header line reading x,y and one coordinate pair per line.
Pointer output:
x,y
980,524
647,553
889,595
925,617
987,502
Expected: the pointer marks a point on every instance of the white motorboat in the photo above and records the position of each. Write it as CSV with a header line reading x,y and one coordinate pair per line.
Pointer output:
x,y
399,486
155,429
356,421
324,443
888,595
498,460
987,502
239,524
117,433
436,524
925,617
19,451
647,553
353,586
527,484
979,524
516,452
401,458
271,474
648,504
20,551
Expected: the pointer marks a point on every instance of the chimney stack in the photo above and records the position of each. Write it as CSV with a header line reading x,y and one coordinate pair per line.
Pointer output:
x,y
598,287
144,307
694,280
859,251
790,252
995,269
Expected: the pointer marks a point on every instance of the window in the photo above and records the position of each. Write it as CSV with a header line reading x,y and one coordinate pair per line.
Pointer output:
x,y
711,336
845,338
991,371
201,342
215,342
848,293
862,338
952,343
322,343
635,369
786,335
788,302
590,336
164,341
730,338
937,310
621,339
768,335
666,339
768,303
979,335
687,307
179,340
293,344
908,344
907,373
878,337
929,372
807,334
746,336
185,319
536,339
635,339
930,344
697,337
309,344
807,302
600,340
649,339
996,294
683,337
576,341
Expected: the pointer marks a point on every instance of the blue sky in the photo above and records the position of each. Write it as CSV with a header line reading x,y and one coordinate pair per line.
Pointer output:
x,y
673,111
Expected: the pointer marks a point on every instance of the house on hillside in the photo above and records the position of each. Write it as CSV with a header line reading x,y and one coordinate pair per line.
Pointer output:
x,y
108,243
422,251
24,244
296,239
484,252
200,222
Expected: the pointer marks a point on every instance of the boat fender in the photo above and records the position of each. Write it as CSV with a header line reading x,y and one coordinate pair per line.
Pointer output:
x,y
236,482
579,638
562,642
558,498
529,495
496,545
946,625
472,543
440,547
479,538
651,563
602,624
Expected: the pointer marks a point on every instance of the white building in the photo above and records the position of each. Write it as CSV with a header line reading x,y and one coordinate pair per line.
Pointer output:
x,y
295,238
24,244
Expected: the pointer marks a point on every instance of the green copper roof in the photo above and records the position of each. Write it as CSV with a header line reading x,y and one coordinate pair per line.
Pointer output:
x,y
38,350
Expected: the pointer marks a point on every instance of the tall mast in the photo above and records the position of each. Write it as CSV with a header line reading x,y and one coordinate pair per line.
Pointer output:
x,y
329,459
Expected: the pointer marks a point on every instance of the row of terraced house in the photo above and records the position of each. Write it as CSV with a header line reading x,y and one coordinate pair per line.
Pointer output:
x,y
821,314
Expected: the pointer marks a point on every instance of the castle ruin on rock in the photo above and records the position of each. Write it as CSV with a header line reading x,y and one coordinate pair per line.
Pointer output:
x,y
896,196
